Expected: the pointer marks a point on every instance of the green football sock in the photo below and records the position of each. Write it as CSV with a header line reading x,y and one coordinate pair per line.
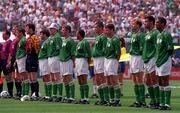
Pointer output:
x,y
23,88
60,89
72,90
45,89
151,93
142,92
156,93
137,93
100,91
86,91
27,86
49,89
117,92
162,96
82,91
67,91
111,92
106,93
167,94
55,89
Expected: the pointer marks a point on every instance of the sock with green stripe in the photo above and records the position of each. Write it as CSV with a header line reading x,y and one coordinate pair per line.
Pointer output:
x,y
142,93
162,96
156,92
86,91
117,92
55,89
106,92
26,87
151,93
137,93
100,91
60,89
72,89
45,89
82,91
67,88
111,92
23,88
167,94
49,89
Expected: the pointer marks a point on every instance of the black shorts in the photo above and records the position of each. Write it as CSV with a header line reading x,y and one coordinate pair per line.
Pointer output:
x,y
32,63
121,67
6,70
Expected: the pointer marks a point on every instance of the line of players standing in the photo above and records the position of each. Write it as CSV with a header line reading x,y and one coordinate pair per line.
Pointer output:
x,y
57,57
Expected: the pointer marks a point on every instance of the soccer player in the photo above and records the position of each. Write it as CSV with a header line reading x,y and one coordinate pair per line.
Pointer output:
x,y
122,65
43,64
5,53
164,52
21,60
98,51
32,51
11,62
66,57
136,63
55,43
112,55
83,57
1,79
149,51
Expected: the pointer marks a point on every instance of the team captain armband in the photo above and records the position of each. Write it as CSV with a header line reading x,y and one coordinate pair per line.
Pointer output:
x,y
33,42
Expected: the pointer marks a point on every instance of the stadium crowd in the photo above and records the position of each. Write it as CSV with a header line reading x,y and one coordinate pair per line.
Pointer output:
x,y
83,13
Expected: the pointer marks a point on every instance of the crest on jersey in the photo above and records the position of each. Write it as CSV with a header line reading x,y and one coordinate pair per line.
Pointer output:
x,y
51,42
64,44
159,40
147,37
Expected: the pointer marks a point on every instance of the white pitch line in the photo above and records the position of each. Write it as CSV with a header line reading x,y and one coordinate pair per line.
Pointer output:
x,y
175,86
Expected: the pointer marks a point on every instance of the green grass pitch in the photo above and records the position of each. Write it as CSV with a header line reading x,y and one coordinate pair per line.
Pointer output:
x,y
15,106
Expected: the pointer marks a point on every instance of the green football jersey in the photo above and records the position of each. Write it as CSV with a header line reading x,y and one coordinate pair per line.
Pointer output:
x,y
137,40
113,48
164,47
20,53
83,49
99,46
67,50
149,47
43,54
55,43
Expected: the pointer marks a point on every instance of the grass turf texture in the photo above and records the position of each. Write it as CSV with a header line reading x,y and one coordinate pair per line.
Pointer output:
x,y
15,106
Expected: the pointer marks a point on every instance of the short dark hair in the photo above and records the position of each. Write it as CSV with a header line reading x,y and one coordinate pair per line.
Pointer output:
x,y
100,24
150,18
67,27
82,33
21,29
139,23
110,27
31,26
8,32
162,20
46,32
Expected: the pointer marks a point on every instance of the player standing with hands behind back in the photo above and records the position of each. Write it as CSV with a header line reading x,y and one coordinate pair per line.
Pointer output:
x,y
136,63
112,54
149,52
83,56
164,50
